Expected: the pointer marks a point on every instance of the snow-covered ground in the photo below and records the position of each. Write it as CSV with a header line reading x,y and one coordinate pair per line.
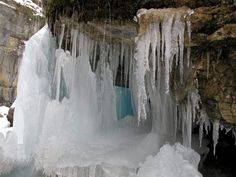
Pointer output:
x,y
28,3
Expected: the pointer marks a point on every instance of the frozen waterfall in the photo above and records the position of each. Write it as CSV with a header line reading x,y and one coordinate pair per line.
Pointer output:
x,y
70,117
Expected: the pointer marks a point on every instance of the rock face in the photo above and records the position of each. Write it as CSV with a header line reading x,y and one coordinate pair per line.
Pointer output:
x,y
17,24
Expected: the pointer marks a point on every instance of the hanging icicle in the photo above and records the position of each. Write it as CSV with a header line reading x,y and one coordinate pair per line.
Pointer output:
x,y
158,44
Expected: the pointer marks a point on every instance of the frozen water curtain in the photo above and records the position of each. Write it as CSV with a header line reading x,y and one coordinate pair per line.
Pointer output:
x,y
73,118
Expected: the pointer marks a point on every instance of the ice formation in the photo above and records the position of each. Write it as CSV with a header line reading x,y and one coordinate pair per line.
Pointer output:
x,y
203,124
215,135
161,44
171,161
66,116
188,114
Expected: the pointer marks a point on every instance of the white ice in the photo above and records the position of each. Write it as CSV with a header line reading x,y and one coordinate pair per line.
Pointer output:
x,y
171,161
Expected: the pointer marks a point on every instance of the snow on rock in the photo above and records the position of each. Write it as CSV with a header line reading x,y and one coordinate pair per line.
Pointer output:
x,y
28,3
171,161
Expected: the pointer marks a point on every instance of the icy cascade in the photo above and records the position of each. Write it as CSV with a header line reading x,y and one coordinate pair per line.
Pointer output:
x,y
161,44
33,91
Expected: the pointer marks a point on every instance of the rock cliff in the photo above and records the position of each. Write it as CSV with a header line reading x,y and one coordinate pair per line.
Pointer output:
x,y
17,24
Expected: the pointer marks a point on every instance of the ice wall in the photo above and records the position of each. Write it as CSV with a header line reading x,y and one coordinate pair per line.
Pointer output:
x,y
33,91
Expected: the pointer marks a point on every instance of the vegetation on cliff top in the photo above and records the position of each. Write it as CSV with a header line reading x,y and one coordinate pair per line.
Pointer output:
x,y
93,9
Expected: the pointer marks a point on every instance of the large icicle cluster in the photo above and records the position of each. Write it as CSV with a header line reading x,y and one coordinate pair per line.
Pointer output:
x,y
161,44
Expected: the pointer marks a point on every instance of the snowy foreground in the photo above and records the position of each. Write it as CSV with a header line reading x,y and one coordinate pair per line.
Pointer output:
x,y
66,121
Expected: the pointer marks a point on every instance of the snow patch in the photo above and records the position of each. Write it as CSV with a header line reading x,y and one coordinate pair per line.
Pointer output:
x,y
38,11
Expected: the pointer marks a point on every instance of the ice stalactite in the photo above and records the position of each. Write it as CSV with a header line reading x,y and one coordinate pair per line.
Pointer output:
x,y
189,112
203,124
215,134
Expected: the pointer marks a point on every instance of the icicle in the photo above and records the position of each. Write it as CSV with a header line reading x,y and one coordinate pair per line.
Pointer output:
x,y
154,31
74,43
221,127
215,135
62,35
189,39
166,32
195,100
200,133
189,123
142,66
227,130
203,123
126,66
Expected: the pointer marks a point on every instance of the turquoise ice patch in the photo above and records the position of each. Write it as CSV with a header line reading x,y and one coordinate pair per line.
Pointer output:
x,y
124,106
